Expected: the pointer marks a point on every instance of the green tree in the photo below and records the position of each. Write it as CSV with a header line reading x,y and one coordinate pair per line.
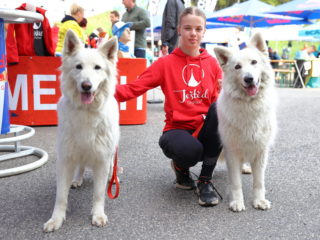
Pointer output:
x,y
227,3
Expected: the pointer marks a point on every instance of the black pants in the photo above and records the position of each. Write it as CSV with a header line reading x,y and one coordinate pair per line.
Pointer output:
x,y
186,151
139,53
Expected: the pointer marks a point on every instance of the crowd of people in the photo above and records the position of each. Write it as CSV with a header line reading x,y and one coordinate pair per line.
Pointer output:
x,y
135,18
302,57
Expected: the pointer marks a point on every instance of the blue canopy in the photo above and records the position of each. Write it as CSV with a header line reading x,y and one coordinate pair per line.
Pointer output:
x,y
252,14
306,9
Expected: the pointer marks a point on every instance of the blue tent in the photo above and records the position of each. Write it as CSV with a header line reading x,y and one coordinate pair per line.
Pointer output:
x,y
306,9
252,14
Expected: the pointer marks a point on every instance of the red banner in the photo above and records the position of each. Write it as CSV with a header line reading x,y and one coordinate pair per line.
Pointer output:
x,y
34,91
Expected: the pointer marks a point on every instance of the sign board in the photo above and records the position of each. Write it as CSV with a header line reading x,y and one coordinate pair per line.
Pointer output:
x,y
34,90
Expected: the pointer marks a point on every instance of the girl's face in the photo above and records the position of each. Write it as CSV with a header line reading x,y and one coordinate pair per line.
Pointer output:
x,y
191,31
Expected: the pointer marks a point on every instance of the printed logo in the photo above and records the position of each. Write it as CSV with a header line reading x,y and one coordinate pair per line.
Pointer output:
x,y
36,26
191,74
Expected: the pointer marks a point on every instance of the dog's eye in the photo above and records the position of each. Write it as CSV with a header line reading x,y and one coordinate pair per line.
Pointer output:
x,y
253,62
97,67
79,66
238,66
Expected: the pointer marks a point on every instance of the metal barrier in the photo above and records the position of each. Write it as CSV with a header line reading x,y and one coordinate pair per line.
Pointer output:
x,y
20,151
15,16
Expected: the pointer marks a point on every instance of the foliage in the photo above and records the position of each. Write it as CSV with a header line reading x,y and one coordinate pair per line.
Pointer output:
x,y
226,3
100,20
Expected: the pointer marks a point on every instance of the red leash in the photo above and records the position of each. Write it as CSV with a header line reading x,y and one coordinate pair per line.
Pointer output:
x,y
196,132
114,178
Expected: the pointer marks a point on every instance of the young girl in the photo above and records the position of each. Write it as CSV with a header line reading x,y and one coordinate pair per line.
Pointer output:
x,y
189,78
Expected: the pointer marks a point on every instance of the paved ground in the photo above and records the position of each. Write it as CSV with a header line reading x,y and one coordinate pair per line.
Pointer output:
x,y
149,207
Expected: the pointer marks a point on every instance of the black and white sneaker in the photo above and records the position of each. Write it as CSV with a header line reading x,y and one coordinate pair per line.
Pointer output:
x,y
208,195
183,178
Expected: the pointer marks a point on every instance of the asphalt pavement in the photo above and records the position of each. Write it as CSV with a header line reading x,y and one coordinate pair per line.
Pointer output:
x,y
149,207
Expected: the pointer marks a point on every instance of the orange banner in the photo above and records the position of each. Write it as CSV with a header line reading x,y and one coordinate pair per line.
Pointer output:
x,y
34,91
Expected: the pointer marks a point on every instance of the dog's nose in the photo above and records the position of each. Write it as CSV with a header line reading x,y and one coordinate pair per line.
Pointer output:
x,y
248,80
86,86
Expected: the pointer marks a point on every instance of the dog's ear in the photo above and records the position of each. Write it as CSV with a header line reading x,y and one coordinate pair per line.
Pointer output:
x,y
110,49
71,43
223,54
258,42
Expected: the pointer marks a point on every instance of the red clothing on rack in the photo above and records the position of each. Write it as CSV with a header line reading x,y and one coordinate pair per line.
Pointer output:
x,y
20,39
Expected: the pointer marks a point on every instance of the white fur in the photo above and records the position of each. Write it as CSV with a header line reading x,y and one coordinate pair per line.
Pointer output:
x,y
247,123
87,133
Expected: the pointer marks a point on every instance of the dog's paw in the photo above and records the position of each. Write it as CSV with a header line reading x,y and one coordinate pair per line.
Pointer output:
x,y
237,206
76,183
99,220
262,204
246,169
52,225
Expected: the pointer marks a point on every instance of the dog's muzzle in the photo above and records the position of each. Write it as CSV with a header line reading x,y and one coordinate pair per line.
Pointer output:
x,y
87,96
250,86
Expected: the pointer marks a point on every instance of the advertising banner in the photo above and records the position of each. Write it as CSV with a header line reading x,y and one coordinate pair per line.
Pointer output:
x,y
35,90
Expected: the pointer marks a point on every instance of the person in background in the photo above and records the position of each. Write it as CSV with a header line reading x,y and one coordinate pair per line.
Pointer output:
x,y
190,80
101,35
313,52
273,55
94,38
285,53
140,21
70,22
301,57
169,35
302,54
83,25
122,31
114,17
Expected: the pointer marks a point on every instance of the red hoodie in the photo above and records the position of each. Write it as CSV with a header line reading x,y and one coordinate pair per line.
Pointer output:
x,y
19,41
190,86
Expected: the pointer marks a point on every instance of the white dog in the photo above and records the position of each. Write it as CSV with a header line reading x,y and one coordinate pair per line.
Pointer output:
x,y
247,117
88,130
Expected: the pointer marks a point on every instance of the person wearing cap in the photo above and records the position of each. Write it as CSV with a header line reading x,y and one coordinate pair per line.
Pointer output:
x,y
140,21
122,31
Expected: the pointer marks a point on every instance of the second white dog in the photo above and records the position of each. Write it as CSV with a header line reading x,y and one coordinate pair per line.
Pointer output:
x,y
247,117
88,130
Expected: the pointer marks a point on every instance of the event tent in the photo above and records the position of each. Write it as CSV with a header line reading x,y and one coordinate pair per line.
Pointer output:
x,y
306,9
252,14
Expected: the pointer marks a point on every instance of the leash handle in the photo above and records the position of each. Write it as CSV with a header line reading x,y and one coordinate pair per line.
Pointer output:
x,y
114,178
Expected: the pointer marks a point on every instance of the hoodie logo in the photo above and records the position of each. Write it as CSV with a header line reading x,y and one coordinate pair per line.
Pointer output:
x,y
192,75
